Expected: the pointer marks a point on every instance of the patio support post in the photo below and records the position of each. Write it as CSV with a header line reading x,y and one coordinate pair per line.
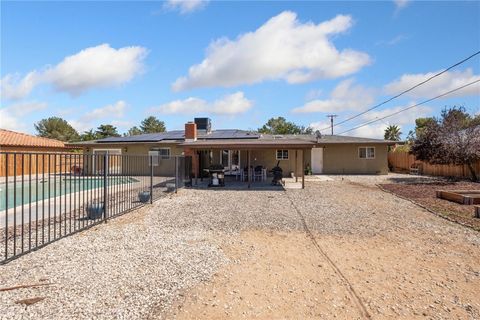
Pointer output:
x,y
105,187
296,165
196,169
151,179
248,171
176,174
303,169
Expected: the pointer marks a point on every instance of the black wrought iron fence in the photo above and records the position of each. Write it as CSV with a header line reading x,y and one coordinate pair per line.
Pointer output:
x,y
47,196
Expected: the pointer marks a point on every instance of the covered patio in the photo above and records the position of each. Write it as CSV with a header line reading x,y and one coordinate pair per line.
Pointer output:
x,y
250,154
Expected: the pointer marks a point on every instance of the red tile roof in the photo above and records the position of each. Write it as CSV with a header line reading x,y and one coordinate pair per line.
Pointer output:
x,y
18,139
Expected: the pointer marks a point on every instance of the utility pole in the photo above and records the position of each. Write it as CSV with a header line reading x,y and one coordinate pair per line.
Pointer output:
x,y
331,116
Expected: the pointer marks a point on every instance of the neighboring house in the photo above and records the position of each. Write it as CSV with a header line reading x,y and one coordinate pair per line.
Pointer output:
x,y
11,141
17,144
237,148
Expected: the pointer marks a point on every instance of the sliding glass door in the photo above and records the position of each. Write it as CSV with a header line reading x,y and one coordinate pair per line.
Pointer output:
x,y
230,159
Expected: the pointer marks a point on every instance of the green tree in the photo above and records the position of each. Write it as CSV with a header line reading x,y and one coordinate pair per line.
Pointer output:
x,y
392,132
88,135
56,128
105,131
152,125
454,138
420,125
133,131
281,126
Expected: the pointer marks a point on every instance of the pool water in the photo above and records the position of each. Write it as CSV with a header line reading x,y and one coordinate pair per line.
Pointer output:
x,y
57,187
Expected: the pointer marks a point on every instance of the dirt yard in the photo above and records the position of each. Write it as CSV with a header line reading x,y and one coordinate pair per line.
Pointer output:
x,y
338,249
359,253
424,193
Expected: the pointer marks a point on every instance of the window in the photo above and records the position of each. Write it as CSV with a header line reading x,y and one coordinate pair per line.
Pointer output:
x,y
164,153
282,154
366,152
156,154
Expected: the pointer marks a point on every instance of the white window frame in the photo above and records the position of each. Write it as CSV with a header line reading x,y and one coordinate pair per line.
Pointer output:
x,y
367,157
108,151
154,156
282,158
229,165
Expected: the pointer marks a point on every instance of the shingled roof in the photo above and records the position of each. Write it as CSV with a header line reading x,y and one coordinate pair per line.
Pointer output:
x,y
18,139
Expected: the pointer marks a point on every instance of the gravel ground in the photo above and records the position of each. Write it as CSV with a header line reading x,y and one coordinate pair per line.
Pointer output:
x,y
137,266
119,270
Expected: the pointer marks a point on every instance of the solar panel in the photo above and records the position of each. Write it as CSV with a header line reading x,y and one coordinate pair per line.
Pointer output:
x,y
180,135
231,134
148,137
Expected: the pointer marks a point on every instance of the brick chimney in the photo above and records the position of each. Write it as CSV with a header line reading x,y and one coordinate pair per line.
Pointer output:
x,y
190,131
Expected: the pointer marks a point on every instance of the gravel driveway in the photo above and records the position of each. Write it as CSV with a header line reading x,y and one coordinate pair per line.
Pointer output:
x,y
339,248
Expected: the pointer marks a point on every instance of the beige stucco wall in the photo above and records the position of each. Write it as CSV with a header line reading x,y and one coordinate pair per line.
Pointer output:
x,y
138,149
137,162
343,159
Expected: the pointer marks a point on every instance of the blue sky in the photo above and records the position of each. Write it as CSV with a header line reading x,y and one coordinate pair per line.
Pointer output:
x,y
239,63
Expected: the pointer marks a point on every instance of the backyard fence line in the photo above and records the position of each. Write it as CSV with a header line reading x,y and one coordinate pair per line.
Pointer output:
x,y
35,164
47,196
402,161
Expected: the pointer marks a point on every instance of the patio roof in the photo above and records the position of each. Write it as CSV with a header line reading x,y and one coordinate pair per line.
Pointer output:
x,y
248,144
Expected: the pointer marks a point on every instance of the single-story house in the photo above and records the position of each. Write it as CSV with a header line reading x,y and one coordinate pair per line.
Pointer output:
x,y
233,148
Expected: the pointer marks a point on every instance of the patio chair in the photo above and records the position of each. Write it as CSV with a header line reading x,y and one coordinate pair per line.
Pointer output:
x,y
258,173
238,174
243,173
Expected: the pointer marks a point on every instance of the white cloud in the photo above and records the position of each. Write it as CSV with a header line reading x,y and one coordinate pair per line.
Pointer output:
x,y
374,130
11,116
90,119
122,124
313,94
25,108
185,6
79,125
282,48
10,122
112,110
228,105
94,67
443,83
401,4
14,88
321,126
345,96
377,129
393,41
403,118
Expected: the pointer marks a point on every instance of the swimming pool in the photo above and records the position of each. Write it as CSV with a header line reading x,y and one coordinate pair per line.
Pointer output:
x,y
50,188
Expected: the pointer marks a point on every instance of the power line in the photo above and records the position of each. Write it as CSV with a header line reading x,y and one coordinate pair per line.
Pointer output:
x,y
405,91
415,105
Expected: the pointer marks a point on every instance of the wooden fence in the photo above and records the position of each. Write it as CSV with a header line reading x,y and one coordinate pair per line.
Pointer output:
x,y
402,161
38,163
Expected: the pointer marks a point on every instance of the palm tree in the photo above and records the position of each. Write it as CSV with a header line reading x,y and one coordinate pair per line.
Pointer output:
x,y
392,132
